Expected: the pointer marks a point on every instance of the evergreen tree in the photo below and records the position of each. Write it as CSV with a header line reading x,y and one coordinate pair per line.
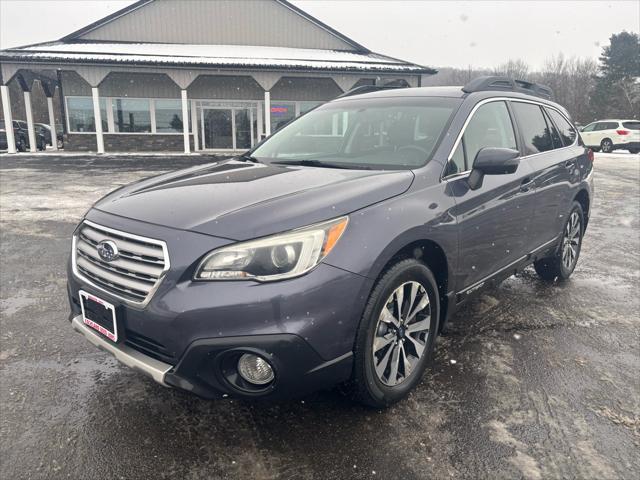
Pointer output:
x,y
617,89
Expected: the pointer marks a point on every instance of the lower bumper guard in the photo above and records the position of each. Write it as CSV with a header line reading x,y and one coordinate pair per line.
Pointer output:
x,y
130,357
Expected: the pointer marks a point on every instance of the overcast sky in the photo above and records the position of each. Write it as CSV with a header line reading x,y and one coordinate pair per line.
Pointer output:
x,y
433,33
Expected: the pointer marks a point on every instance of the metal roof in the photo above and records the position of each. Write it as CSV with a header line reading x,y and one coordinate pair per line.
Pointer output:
x,y
217,56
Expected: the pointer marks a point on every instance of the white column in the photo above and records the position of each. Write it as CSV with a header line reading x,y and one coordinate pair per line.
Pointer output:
x,y
30,127
267,113
98,119
194,124
8,118
185,121
52,124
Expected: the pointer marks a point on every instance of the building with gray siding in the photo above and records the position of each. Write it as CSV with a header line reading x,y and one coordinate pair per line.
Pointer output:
x,y
189,75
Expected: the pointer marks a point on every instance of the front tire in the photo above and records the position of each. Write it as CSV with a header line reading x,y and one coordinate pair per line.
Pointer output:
x,y
562,264
606,146
396,336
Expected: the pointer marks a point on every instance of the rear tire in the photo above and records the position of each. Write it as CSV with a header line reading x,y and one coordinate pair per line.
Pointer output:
x,y
395,344
21,145
634,151
606,146
562,264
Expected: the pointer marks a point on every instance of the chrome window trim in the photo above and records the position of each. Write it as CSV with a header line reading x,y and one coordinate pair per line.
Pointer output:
x,y
160,243
458,175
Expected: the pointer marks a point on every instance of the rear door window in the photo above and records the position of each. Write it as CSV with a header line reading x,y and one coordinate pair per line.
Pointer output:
x,y
631,125
535,131
565,129
555,135
606,126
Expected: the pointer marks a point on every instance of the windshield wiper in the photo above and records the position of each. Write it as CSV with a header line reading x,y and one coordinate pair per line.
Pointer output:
x,y
318,163
248,158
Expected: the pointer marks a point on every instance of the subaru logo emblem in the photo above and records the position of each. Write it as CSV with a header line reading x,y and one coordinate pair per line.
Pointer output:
x,y
108,250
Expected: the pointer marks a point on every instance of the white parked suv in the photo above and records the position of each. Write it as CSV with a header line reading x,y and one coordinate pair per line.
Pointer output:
x,y
609,135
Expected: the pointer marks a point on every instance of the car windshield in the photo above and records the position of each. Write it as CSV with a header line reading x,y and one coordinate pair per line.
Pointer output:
x,y
631,125
381,133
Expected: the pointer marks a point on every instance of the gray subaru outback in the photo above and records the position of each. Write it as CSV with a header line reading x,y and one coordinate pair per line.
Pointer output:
x,y
335,251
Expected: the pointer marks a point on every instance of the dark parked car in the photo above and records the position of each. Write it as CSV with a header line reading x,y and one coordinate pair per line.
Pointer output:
x,y
335,250
45,130
21,136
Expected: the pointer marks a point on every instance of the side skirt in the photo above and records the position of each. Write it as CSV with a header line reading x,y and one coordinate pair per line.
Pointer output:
x,y
505,272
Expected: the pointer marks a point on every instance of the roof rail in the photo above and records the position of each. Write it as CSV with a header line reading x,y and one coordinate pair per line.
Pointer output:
x,y
490,82
368,89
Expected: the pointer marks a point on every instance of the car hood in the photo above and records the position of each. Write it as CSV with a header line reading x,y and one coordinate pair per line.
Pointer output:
x,y
242,200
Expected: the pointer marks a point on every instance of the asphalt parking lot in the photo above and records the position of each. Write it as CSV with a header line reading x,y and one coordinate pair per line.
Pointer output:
x,y
533,381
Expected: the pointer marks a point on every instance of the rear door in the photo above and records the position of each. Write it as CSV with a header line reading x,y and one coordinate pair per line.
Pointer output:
x,y
609,130
493,221
551,165
570,155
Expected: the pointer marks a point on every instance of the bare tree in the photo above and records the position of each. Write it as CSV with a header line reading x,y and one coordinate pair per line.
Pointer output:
x,y
572,81
516,69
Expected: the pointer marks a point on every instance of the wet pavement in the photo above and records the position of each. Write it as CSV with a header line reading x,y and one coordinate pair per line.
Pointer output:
x,y
533,380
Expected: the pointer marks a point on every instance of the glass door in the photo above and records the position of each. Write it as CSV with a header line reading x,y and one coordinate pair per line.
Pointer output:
x,y
228,126
243,128
217,129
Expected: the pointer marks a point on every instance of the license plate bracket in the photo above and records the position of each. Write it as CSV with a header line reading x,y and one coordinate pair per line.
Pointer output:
x,y
99,315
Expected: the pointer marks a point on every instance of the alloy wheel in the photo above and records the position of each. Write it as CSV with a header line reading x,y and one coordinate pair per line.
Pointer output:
x,y
401,334
607,146
571,241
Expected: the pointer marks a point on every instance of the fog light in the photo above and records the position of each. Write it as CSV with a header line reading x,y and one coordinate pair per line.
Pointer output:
x,y
255,369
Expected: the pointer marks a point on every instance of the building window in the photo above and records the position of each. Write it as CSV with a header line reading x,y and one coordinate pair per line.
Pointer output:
x,y
168,116
131,115
281,114
80,114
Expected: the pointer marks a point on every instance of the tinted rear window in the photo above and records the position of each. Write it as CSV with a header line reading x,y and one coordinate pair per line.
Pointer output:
x,y
567,132
631,125
533,126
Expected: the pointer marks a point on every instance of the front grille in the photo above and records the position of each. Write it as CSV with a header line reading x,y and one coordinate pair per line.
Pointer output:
x,y
149,347
134,275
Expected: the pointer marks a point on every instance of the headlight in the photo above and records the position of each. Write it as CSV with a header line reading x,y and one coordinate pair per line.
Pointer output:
x,y
277,257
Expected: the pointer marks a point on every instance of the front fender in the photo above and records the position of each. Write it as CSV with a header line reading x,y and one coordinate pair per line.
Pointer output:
x,y
377,233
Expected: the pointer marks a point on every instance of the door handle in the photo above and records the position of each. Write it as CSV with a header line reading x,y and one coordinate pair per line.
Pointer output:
x,y
526,184
569,164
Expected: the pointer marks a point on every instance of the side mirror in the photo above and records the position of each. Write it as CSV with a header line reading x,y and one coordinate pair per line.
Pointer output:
x,y
493,161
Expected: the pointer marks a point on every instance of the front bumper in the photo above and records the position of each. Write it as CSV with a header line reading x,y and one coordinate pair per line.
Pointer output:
x,y
203,369
305,326
127,355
